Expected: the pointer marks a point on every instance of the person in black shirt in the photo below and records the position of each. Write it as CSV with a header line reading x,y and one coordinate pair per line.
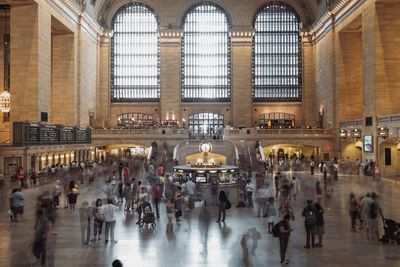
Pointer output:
x,y
310,216
284,233
319,225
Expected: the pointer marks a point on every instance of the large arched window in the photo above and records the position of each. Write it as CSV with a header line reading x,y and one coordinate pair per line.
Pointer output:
x,y
206,71
135,57
277,58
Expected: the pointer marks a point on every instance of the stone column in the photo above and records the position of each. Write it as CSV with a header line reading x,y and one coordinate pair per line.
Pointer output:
x,y
170,88
308,107
369,74
241,92
30,50
103,93
62,93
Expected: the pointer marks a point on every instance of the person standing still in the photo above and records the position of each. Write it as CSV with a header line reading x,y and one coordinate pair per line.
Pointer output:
x,y
284,233
214,192
222,206
312,166
310,216
108,213
319,224
157,193
85,223
249,192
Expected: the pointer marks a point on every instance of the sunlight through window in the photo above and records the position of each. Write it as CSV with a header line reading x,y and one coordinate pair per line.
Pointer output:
x,y
277,58
206,55
135,73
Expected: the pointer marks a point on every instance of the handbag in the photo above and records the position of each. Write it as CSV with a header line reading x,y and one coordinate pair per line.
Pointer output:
x,y
178,213
228,204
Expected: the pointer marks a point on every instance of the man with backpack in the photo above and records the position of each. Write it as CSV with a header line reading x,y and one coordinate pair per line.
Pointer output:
x,y
283,230
373,218
310,215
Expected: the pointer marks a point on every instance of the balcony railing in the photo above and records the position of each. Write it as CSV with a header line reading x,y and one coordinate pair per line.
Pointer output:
x,y
271,132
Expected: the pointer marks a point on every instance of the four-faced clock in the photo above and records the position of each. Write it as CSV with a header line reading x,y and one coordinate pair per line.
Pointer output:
x,y
205,147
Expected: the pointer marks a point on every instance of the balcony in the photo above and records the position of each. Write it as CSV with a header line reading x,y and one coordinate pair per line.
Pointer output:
x,y
255,133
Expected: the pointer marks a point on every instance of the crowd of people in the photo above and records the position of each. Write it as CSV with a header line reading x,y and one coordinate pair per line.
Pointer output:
x,y
140,188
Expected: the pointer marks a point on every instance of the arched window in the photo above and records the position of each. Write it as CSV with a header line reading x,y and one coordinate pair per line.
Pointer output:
x,y
277,58
206,71
135,56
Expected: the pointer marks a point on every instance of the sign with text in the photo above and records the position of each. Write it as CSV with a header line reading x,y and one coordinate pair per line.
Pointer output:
x,y
26,133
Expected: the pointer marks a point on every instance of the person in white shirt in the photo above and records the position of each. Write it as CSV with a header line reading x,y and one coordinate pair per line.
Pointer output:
x,y
189,190
262,195
249,192
189,187
294,189
108,214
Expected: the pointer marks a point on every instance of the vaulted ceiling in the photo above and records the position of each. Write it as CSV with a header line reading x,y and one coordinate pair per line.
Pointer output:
x,y
308,10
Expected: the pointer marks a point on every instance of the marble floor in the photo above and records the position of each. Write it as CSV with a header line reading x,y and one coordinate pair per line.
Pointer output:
x,y
200,241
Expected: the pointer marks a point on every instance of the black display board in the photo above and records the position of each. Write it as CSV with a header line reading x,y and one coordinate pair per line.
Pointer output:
x,y
26,133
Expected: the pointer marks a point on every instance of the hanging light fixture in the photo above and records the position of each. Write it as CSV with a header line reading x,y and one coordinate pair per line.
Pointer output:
x,y
5,98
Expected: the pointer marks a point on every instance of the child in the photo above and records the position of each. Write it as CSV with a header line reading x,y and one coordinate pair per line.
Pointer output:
x,y
170,215
271,213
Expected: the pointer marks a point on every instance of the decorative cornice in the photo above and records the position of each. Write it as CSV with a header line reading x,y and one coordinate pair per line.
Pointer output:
x,y
79,10
171,33
334,16
241,36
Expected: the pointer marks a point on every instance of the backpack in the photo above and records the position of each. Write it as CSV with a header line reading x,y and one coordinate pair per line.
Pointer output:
x,y
275,230
311,218
228,204
373,210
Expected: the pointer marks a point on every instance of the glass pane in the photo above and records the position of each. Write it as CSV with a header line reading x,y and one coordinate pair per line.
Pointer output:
x,y
277,58
206,54
135,73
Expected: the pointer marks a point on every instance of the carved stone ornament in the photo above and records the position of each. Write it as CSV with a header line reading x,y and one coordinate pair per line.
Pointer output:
x,y
82,4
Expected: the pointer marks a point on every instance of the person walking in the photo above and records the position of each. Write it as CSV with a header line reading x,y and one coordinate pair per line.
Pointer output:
x,y
375,213
365,204
39,247
189,190
249,192
271,214
85,223
318,191
284,233
325,171
72,195
294,188
310,216
353,211
170,207
157,194
108,213
262,195
98,221
178,204
33,176
214,191
17,204
319,224
312,166
222,206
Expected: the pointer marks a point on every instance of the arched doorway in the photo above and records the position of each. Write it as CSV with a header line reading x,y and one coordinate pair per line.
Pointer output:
x,y
206,124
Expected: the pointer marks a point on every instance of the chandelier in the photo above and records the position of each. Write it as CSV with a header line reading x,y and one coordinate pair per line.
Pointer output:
x,y
5,98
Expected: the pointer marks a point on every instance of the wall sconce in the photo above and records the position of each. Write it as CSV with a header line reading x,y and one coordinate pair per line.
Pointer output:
x,y
343,134
356,133
383,132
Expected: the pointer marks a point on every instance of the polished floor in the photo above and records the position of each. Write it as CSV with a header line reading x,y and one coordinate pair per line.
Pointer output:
x,y
200,241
